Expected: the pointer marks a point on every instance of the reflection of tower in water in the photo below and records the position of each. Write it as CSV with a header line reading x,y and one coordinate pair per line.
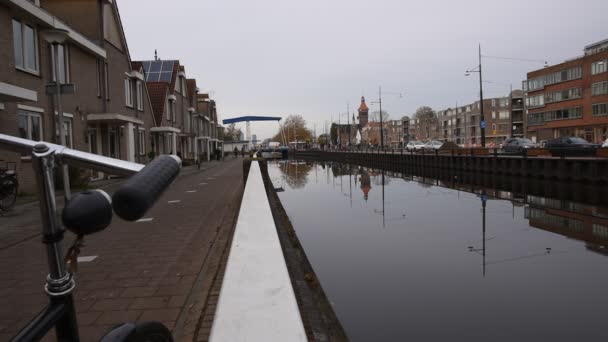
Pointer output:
x,y
366,184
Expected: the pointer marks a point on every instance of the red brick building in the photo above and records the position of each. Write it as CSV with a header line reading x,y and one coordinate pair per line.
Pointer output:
x,y
570,98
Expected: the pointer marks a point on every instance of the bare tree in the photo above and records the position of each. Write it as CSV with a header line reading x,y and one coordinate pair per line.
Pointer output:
x,y
294,127
427,120
231,133
375,116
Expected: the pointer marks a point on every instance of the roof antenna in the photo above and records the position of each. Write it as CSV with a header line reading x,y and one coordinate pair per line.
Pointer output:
x,y
155,55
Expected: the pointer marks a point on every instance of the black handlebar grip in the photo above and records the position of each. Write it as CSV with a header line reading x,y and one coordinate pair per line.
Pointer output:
x,y
140,191
88,212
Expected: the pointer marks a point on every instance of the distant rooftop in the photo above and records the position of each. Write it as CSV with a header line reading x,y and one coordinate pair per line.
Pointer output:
x,y
596,47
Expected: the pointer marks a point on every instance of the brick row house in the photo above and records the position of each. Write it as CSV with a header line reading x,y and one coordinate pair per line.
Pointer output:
x,y
112,110
570,98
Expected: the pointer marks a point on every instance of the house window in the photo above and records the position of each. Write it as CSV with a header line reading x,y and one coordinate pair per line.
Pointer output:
x,y
99,76
493,102
600,109
106,81
178,85
535,101
67,129
25,44
140,95
129,92
599,67
64,64
172,110
30,125
599,88
141,141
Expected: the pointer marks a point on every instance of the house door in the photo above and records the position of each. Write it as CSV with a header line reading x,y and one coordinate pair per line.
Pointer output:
x,y
114,142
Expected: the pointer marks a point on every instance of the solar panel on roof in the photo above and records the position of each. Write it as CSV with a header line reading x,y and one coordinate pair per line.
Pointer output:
x,y
165,76
152,76
146,65
167,66
155,66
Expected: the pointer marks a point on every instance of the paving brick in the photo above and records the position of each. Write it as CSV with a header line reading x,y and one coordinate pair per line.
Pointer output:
x,y
116,317
139,291
134,259
150,302
111,304
160,315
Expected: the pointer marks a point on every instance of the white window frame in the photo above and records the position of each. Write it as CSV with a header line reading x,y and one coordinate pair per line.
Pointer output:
x,y
140,95
599,88
21,65
65,62
128,92
29,114
599,67
106,80
172,110
69,129
99,76
141,140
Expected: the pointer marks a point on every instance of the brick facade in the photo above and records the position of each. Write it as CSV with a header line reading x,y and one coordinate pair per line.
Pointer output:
x,y
548,118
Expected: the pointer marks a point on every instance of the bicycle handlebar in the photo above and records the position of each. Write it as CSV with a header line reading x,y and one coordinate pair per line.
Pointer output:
x,y
73,157
139,192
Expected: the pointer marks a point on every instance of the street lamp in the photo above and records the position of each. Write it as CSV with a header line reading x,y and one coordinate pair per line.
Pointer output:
x,y
56,37
379,102
482,120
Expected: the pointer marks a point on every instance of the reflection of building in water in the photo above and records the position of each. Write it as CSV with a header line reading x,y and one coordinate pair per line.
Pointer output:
x,y
295,173
574,220
366,184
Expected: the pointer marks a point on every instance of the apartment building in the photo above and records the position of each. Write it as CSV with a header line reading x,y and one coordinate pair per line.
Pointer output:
x,y
394,133
518,117
405,129
108,111
570,98
461,124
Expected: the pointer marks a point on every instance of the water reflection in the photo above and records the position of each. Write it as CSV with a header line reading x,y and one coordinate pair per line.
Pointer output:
x,y
580,221
398,252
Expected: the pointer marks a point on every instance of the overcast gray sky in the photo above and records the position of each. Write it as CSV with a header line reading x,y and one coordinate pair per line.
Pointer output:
x,y
281,57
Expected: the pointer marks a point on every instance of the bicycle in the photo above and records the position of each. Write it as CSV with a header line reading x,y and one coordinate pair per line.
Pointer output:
x,y
84,214
8,188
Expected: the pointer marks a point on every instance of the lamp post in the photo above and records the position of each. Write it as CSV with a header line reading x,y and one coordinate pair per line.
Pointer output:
x,y
56,37
482,119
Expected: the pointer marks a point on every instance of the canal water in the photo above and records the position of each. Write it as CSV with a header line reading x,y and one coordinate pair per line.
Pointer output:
x,y
409,258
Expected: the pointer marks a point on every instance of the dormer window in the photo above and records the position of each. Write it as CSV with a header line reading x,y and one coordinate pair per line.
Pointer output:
x,y
129,92
171,108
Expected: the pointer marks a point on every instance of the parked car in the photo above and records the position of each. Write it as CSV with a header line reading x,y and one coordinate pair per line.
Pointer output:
x,y
605,144
414,145
570,142
432,145
517,145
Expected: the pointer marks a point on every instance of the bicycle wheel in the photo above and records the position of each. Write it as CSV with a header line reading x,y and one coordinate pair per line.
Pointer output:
x,y
8,193
150,332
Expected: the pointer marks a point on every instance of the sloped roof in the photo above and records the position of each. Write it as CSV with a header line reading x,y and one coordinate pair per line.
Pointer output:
x,y
158,96
136,65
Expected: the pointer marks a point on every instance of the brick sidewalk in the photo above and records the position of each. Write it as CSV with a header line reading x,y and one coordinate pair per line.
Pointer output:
x,y
161,269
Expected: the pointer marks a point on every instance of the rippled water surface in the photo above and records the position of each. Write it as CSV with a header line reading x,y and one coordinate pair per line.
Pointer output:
x,y
406,258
